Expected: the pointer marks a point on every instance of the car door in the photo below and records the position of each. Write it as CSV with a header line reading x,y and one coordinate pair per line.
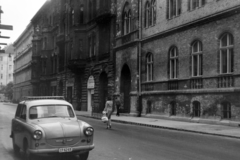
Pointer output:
x,y
15,123
20,126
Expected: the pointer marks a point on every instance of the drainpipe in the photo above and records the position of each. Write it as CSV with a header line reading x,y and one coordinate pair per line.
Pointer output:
x,y
139,57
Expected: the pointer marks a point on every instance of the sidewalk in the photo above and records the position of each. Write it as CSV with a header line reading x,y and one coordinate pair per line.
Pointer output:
x,y
217,130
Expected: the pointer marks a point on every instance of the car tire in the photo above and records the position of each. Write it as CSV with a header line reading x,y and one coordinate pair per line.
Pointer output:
x,y
27,154
15,147
83,156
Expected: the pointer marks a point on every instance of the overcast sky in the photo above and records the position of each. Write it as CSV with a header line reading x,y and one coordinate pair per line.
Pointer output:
x,y
17,13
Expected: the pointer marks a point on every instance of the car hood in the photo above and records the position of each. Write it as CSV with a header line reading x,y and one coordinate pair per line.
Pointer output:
x,y
60,128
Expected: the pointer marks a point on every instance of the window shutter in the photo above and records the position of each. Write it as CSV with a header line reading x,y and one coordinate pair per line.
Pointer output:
x,y
177,75
201,69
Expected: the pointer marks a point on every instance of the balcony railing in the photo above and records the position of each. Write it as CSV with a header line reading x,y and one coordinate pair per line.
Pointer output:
x,y
225,81
127,38
148,87
196,83
173,85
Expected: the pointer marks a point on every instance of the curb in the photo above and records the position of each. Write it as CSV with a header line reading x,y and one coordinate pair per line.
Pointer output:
x,y
161,127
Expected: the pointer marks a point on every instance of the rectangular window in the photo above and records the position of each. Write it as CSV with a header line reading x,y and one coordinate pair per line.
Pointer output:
x,y
1,58
194,4
173,8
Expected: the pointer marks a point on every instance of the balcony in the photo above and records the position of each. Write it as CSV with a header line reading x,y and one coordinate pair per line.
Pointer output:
x,y
103,56
60,38
76,65
104,13
127,38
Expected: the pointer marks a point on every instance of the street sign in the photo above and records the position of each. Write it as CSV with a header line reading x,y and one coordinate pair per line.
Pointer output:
x,y
4,37
6,27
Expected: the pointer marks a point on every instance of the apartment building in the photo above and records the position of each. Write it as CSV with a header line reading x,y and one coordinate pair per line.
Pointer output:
x,y
190,59
72,51
22,64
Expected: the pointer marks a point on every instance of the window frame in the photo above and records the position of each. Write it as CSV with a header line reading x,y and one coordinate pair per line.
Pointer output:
x,y
199,55
226,109
173,61
196,109
229,54
149,66
173,8
199,4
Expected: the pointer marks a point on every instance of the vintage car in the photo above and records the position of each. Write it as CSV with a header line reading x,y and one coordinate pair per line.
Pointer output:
x,y
48,126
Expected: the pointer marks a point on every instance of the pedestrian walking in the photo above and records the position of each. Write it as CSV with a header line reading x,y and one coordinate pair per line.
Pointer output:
x,y
109,109
118,105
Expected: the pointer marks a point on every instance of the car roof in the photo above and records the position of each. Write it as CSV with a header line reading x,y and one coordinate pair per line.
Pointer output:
x,y
44,102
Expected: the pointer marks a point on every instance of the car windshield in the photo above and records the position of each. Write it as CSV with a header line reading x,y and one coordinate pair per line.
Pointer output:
x,y
49,111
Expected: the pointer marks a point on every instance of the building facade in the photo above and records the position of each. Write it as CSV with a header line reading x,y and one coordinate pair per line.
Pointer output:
x,y
22,64
190,59
6,65
72,52
127,53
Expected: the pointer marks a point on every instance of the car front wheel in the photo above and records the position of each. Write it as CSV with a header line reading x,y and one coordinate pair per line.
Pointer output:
x,y
15,147
27,154
83,156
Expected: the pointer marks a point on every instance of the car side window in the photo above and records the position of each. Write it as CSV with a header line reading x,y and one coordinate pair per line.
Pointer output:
x,y
23,113
18,111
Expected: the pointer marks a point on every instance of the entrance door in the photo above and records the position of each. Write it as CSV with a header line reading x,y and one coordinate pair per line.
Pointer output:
x,y
69,94
125,88
103,90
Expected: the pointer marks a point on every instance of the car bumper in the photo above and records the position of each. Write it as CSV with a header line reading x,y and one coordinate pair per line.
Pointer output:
x,y
55,151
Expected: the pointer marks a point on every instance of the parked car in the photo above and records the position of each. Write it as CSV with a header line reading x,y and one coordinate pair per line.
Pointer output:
x,y
48,126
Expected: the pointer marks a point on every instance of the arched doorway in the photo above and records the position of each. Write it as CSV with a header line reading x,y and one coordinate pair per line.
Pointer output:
x,y
103,90
125,88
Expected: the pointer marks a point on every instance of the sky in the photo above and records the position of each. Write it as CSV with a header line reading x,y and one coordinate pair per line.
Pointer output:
x,y
17,13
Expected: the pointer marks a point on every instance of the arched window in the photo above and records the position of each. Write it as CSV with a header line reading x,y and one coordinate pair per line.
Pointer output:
x,y
72,17
173,61
126,19
196,109
196,50
173,109
226,54
147,14
81,14
226,110
90,10
153,12
149,58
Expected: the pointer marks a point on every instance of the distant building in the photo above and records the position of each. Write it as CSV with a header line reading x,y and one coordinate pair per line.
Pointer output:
x,y
23,64
6,65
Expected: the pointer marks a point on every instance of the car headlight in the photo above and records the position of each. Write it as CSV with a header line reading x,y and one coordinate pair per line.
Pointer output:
x,y
88,131
37,134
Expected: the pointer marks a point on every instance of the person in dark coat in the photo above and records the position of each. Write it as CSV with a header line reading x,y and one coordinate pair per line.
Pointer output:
x,y
118,105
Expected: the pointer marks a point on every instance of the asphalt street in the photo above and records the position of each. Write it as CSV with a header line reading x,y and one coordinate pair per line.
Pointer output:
x,y
130,142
